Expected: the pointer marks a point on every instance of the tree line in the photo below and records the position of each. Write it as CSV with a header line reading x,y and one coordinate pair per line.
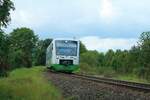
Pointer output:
x,y
135,61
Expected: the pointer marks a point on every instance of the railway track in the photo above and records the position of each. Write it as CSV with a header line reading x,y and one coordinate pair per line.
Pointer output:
x,y
85,87
132,85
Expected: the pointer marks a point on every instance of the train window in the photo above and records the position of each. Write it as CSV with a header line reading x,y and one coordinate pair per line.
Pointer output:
x,y
52,46
66,47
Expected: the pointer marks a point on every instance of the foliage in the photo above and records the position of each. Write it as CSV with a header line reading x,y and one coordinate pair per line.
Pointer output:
x,y
108,57
144,45
4,42
28,84
40,51
82,48
101,59
90,57
5,7
23,41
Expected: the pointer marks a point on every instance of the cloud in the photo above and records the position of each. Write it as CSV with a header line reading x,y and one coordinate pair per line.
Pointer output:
x,y
107,11
103,44
28,18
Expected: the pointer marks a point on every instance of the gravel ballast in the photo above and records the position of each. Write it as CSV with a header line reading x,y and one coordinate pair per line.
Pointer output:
x,y
79,89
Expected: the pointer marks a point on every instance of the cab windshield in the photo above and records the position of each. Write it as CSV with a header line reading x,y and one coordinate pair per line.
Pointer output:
x,y
66,47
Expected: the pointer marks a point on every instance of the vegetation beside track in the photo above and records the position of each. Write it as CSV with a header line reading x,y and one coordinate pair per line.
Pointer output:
x,y
110,73
27,84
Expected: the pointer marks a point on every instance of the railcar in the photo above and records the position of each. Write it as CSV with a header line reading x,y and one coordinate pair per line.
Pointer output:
x,y
63,55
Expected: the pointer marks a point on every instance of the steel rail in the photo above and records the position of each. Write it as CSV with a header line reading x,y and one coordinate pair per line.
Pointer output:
x,y
134,85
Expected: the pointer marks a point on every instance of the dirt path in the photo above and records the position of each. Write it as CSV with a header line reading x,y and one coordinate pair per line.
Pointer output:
x,y
78,89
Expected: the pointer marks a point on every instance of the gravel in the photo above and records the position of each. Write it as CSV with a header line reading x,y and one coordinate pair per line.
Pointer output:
x,y
80,89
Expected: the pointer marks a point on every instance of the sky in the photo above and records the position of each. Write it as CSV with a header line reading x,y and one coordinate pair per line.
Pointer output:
x,y
99,24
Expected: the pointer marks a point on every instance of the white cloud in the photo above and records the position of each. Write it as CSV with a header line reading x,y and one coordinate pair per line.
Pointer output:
x,y
107,11
103,44
28,18
22,17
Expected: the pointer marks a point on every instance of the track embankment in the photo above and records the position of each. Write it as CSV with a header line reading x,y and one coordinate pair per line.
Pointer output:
x,y
132,85
76,87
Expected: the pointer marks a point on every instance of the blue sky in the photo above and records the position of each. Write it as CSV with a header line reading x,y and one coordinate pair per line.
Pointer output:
x,y
114,24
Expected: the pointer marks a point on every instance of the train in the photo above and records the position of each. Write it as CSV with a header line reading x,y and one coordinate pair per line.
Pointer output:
x,y
62,55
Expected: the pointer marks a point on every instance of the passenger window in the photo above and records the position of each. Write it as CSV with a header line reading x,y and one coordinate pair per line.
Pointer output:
x,y
52,46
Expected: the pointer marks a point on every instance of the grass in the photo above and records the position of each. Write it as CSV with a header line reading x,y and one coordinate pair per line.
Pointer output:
x,y
103,71
86,69
110,73
132,78
27,84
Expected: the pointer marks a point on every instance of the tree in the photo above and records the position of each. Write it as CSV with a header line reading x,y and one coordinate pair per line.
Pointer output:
x,y
144,44
5,7
3,53
134,57
40,53
108,57
91,58
82,48
145,48
23,41
120,62
101,59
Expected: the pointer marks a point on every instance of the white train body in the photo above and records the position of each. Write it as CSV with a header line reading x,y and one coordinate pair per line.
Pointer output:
x,y
63,52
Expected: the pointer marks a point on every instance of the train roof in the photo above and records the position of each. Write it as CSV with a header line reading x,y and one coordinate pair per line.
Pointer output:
x,y
65,39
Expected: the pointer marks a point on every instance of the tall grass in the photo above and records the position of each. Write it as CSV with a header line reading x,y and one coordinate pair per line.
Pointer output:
x,y
27,84
103,71
109,73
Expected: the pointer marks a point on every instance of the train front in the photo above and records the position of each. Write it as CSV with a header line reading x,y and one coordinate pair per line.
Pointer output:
x,y
67,55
